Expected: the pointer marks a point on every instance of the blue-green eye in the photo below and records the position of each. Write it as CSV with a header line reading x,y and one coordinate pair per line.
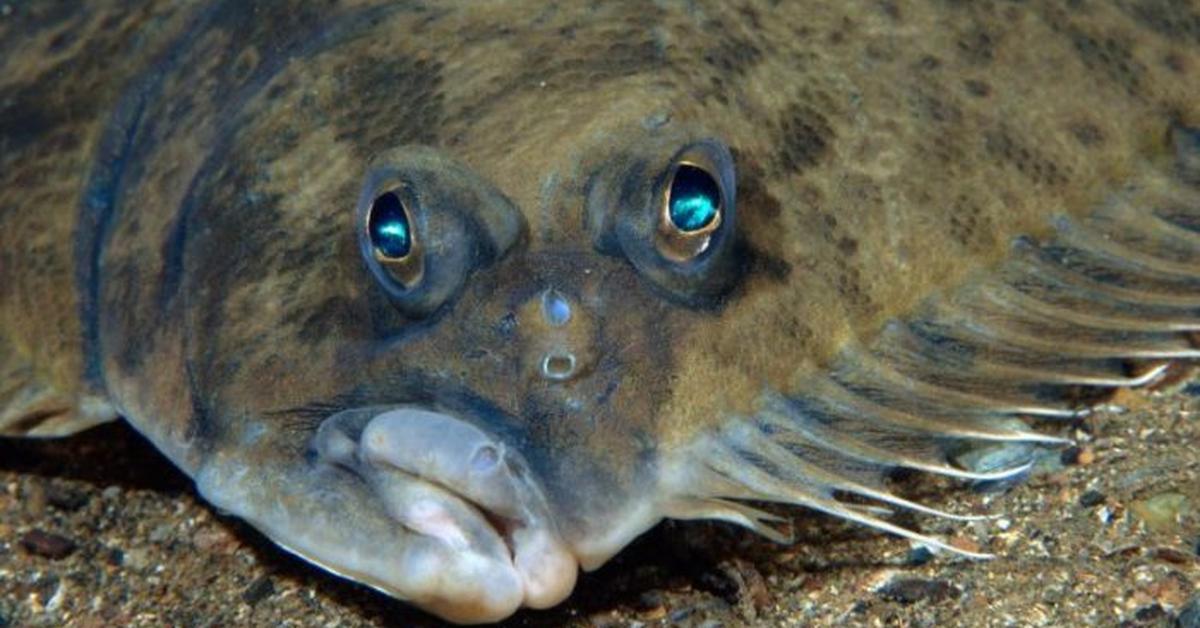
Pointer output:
x,y
694,200
391,233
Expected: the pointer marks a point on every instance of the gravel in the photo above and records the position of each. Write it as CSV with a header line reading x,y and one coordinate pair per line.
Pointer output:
x,y
1076,550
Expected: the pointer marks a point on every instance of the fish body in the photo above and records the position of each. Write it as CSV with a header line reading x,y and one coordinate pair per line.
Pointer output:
x,y
454,299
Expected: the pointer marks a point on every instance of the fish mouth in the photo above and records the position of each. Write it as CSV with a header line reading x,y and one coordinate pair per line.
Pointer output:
x,y
474,497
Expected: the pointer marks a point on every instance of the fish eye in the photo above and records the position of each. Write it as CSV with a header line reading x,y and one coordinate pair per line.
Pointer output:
x,y
424,223
691,211
672,215
393,238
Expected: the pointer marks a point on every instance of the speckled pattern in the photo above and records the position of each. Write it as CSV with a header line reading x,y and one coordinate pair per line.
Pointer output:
x,y
181,187
1073,550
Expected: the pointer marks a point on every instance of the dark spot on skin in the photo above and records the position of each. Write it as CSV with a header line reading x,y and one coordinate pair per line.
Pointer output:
x,y
928,63
1109,57
750,16
935,105
110,22
59,42
1087,134
758,213
969,225
334,313
37,17
849,283
848,246
890,8
1005,148
753,199
244,64
1175,62
586,60
979,89
732,56
805,135
1178,20
759,262
25,118
977,47
123,278
202,428
411,118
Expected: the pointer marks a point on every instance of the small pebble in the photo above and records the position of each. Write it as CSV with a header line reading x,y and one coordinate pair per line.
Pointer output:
x,y
681,614
136,559
1172,555
46,587
910,590
918,556
1078,456
1150,613
966,544
114,557
605,620
996,458
650,600
47,544
1092,498
214,539
65,498
161,533
258,591
1161,512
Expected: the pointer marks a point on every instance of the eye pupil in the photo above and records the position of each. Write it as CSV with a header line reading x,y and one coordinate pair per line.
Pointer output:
x,y
695,198
388,225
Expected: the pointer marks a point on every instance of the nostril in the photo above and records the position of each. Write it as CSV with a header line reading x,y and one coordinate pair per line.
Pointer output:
x,y
558,366
485,459
555,308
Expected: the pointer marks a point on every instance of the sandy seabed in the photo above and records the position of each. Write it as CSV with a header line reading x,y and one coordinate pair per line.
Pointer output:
x,y
100,530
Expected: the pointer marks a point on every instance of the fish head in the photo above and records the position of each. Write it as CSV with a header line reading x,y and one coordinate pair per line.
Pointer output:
x,y
498,337
561,337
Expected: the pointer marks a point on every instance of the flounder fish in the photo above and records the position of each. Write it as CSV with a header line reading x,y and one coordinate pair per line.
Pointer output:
x,y
455,299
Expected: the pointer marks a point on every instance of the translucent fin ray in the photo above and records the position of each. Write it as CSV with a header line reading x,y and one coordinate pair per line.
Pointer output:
x,y
1103,302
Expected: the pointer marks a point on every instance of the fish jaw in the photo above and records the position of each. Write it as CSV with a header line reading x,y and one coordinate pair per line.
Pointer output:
x,y
422,505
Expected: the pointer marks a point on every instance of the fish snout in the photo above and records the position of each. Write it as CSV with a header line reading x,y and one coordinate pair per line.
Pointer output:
x,y
559,336
469,495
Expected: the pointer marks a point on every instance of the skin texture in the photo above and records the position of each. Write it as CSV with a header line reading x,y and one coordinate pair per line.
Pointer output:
x,y
183,190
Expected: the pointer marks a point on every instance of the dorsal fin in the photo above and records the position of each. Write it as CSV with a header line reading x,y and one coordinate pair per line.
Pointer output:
x,y
1104,302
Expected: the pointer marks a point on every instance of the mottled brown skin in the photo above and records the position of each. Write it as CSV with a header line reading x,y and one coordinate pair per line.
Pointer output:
x,y
883,152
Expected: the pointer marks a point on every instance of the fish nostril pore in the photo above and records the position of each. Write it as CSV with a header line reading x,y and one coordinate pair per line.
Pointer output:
x,y
555,308
485,459
558,366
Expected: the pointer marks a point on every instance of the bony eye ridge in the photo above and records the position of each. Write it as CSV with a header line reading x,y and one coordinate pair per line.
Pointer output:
x,y
691,212
394,239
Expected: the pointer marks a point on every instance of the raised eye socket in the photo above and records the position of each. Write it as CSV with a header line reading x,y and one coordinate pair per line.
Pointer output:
x,y
394,239
691,211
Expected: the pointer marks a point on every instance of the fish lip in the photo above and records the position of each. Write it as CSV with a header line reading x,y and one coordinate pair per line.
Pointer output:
x,y
478,492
